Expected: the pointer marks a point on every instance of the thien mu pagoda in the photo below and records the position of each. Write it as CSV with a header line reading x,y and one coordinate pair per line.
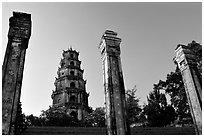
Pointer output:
x,y
70,87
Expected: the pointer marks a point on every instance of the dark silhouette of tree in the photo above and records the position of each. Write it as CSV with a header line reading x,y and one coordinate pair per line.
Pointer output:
x,y
133,108
57,116
196,48
35,121
159,113
174,86
54,116
96,118
20,124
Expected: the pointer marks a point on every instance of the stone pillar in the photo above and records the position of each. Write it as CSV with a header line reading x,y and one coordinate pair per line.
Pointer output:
x,y
185,59
116,114
12,69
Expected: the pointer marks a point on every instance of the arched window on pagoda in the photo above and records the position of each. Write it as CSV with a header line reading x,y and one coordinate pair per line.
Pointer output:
x,y
72,55
72,85
74,114
72,99
72,63
72,73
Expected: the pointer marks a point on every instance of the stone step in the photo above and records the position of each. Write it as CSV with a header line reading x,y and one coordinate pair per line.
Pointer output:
x,y
102,131
163,131
64,131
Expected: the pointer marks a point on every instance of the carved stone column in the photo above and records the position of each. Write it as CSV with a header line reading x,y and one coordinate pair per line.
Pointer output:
x,y
185,59
12,70
116,114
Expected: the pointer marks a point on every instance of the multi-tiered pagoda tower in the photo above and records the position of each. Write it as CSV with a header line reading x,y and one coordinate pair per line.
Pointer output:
x,y
70,87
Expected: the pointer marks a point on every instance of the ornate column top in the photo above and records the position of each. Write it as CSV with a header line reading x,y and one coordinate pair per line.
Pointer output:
x,y
110,43
20,26
185,54
21,14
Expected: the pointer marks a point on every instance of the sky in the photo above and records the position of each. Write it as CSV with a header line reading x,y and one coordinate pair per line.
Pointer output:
x,y
150,33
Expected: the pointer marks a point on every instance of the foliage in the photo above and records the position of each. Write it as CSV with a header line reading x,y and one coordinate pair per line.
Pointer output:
x,y
174,86
35,121
95,118
20,120
56,116
133,108
196,48
158,112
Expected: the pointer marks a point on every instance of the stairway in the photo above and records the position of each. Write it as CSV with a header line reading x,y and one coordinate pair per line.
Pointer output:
x,y
163,131
64,131
102,131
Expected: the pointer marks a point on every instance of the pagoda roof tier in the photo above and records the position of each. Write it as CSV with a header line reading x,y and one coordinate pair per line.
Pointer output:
x,y
71,67
69,90
69,58
69,77
71,50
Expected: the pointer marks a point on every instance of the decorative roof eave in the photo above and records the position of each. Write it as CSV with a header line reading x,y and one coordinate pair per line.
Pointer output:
x,y
70,50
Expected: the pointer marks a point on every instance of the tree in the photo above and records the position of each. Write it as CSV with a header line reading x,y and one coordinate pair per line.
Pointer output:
x,y
133,108
158,112
35,121
56,116
96,118
20,124
196,48
174,87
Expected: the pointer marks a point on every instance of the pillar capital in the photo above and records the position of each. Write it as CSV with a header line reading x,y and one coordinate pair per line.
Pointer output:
x,y
184,57
110,43
20,27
